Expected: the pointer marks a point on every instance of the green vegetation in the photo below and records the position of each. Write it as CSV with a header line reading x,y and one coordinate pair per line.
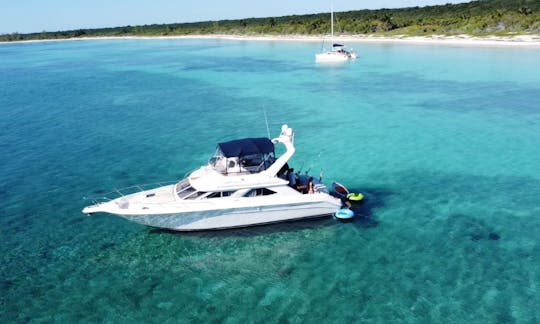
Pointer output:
x,y
478,18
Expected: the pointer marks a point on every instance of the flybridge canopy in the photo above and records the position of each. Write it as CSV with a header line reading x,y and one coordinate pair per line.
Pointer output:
x,y
246,146
338,45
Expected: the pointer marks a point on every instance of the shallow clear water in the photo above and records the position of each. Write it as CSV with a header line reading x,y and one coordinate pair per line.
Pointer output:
x,y
443,142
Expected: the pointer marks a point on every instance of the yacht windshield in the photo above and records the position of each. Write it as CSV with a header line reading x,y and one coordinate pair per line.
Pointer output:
x,y
190,193
183,194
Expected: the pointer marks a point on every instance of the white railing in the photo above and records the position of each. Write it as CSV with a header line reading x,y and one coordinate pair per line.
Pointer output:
x,y
121,192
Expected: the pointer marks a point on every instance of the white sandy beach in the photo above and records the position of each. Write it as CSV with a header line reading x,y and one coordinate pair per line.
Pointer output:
x,y
521,40
459,40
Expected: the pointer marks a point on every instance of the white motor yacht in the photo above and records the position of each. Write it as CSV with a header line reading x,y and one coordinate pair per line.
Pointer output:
x,y
243,184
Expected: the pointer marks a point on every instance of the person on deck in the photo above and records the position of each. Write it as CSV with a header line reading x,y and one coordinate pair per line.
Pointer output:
x,y
310,186
283,172
291,177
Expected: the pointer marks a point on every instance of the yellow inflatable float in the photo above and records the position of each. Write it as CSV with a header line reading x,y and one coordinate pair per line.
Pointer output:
x,y
355,197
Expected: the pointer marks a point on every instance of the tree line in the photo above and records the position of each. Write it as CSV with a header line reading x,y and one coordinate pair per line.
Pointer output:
x,y
478,18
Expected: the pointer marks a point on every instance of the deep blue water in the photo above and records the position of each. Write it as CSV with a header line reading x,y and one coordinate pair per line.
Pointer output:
x,y
443,142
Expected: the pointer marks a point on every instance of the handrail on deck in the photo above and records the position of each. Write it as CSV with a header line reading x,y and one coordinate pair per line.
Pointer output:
x,y
121,192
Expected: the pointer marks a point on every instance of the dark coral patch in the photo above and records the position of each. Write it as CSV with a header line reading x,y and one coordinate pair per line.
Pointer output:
x,y
476,237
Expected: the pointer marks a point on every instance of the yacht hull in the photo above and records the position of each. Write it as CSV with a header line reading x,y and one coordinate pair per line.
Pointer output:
x,y
235,217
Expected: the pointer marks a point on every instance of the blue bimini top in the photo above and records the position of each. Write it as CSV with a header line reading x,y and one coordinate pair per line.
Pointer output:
x,y
246,146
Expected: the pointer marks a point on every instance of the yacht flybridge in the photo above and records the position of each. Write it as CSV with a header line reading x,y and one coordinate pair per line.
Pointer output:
x,y
243,184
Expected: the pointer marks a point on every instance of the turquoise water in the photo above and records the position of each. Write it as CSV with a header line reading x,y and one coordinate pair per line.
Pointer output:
x,y
443,142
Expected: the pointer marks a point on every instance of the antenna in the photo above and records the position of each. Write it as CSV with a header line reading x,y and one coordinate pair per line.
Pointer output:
x,y
266,121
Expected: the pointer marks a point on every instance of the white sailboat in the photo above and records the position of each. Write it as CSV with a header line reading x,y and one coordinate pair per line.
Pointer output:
x,y
338,53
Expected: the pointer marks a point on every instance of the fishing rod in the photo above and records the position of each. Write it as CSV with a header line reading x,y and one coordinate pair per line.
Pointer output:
x,y
266,121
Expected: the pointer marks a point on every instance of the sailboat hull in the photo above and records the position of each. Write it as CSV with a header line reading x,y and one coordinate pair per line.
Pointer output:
x,y
331,57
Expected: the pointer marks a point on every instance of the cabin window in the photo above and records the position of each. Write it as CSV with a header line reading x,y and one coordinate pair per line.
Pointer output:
x,y
259,192
220,194
266,192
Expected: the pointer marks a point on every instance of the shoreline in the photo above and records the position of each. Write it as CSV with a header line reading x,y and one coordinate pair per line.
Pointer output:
x,y
461,40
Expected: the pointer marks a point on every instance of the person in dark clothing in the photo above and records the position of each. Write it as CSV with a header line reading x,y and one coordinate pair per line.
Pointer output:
x,y
291,176
283,170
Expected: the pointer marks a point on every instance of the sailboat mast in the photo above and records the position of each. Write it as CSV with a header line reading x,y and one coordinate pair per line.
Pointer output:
x,y
332,24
